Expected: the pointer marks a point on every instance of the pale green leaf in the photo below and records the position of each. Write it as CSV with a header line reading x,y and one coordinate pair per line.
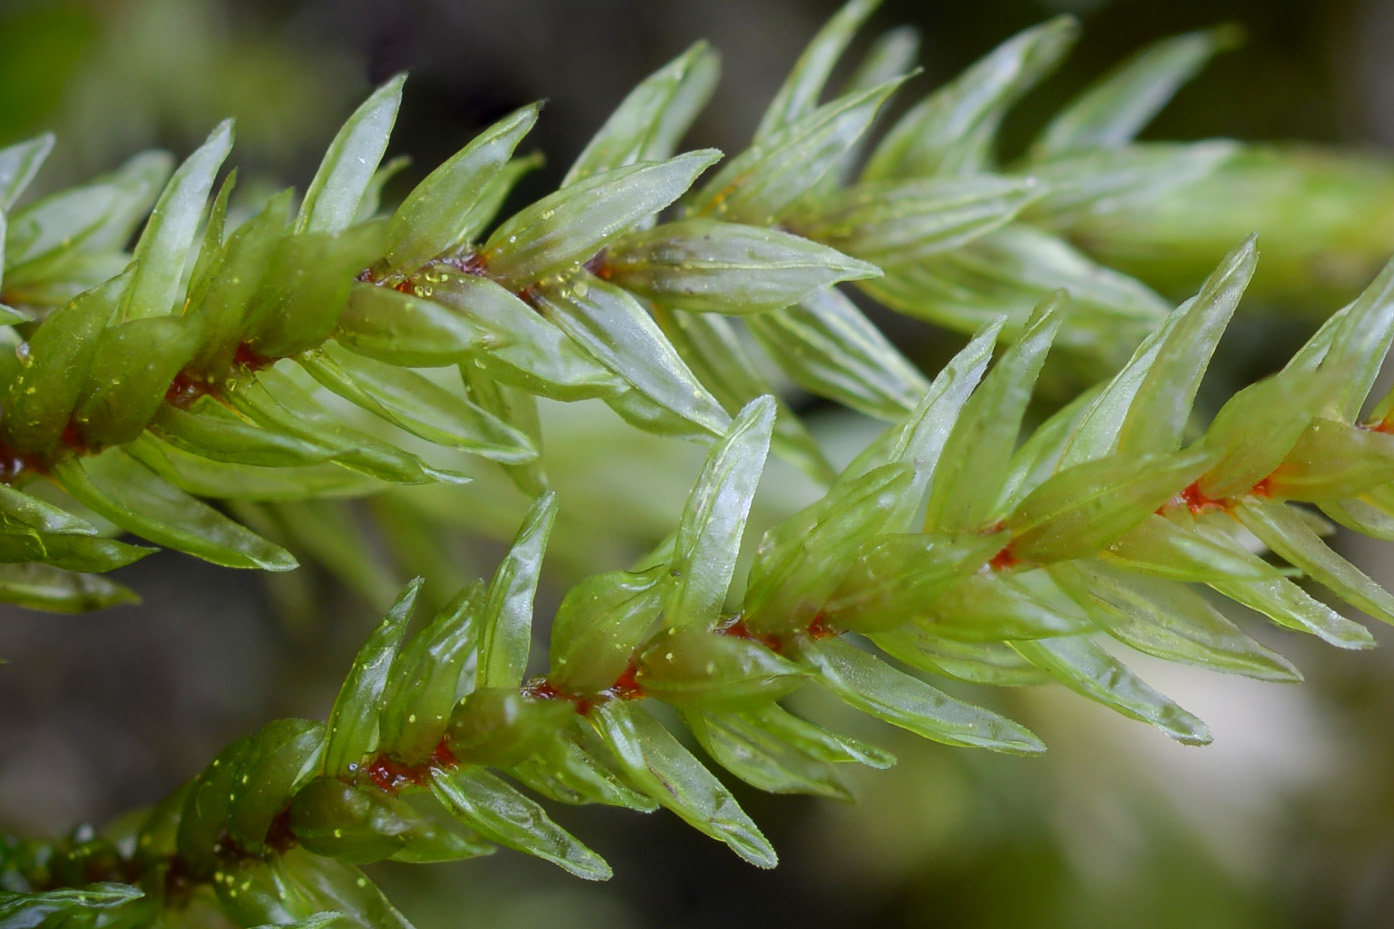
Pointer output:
x,y
872,686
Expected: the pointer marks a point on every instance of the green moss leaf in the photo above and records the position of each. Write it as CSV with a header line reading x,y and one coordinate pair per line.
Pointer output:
x,y
703,265
353,723
18,165
433,219
1115,108
1168,620
658,764
496,811
506,617
651,120
664,396
164,246
417,404
864,681
349,165
560,232
763,183
950,132
900,222
1090,671
123,490
713,520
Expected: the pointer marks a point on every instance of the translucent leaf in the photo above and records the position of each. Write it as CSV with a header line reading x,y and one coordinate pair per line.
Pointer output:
x,y
426,676
566,771
18,509
353,723
560,232
18,165
708,343
1258,427
658,764
506,618
311,884
1360,516
203,477
372,194
130,374
222,307
69,552
896,579
26,910
801,89
919,442
289,410
1287,534
332,200
1085,508
1114,109
500,726
1079,186
119,488
899,222
978,451
706,266
760,758
485,209
1334,459
614,328
800,561
279,758
1167,620
1288,605
1161,402
526,351
201,831
80,218
42,587
519,411
713,519
362,824
600,623
52,375
169,234
817,742
951,131
830,348
1008,273
761,184
992,663
405,329
1164,547
431,220
417,404
210,252
223,437
306,289
1355,342
1090,671
317,921
863,681
689,665
498,812
988,607
655,115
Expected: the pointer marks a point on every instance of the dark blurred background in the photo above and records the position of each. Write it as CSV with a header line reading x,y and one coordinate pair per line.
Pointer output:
x,y
1287,821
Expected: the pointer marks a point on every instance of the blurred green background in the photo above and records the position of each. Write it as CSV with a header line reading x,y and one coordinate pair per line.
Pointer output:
x,y
1286,821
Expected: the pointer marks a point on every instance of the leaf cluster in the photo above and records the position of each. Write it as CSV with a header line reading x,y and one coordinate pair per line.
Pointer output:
x,y
216,361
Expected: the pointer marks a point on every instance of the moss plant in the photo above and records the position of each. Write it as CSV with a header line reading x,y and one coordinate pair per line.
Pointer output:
x,y
297,356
